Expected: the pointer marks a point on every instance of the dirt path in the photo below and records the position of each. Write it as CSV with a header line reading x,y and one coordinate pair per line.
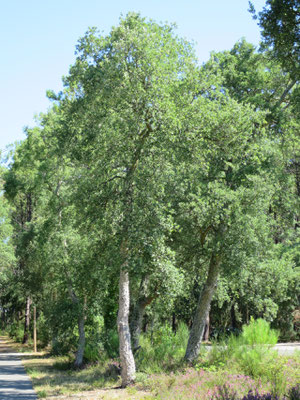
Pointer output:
x,y
14,382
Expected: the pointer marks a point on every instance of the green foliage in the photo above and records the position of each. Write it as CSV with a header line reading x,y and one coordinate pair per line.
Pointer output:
x,y
279,21
110,340
44,333
16,331
258,332
162,348
251,350
92,353
183,164
294,393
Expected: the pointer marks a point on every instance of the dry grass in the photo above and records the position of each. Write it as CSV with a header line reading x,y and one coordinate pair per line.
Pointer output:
x,y
52,380
53,377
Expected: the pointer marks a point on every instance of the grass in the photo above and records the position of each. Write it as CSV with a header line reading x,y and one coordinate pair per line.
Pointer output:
x,y
243,364
52,378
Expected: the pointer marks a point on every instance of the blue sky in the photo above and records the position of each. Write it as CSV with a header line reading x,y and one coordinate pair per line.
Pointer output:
x,y
38,38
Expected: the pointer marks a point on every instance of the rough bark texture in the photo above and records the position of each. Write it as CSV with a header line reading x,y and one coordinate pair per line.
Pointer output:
x,y
136,322
34,330
80,323
126,355
196,334
81,342
27,321
206,330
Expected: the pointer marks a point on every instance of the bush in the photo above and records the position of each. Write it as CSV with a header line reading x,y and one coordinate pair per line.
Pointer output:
x,y
44,333
294,393
163,349
257,396
63,343
252,349
224,393
110,340
92,352
258,332
16,332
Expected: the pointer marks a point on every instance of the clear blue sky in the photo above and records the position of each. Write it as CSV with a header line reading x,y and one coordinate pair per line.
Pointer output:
x,y
38,38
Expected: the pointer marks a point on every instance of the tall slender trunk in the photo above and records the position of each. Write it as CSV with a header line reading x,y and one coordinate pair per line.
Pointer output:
x,y
2,319
136,324
196,333
174,323
81,342
27,320
126,355
80,323
34,330
206,329
233,317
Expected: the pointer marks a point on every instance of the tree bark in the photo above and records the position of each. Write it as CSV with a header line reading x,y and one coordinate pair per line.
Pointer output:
x,y
138,314
27,321
196,333
174,323
80,323
136,324
81,342
206,329
126,355
34,330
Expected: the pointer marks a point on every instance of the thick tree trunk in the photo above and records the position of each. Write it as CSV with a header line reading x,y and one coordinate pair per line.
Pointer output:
x,y
27,321
196,333
81,342
126,355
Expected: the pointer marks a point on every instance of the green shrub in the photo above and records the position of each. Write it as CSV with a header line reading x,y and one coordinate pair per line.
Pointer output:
x,y
44,333
16,332
92,352
258,332
252,349
163,349
110,340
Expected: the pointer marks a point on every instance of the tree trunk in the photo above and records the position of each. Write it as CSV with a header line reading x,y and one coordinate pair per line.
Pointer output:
x,y
81,342
136,324
233,317
126,355
196,334
3,319
27,321
174,323
137,317
80,323
34,330
206,330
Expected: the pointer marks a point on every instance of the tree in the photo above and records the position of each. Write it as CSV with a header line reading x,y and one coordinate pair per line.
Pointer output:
x,y
221,178
125,99
280,23
21,192
253,78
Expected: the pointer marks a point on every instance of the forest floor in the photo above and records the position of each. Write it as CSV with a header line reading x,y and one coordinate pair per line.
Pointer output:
x,y
53,379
